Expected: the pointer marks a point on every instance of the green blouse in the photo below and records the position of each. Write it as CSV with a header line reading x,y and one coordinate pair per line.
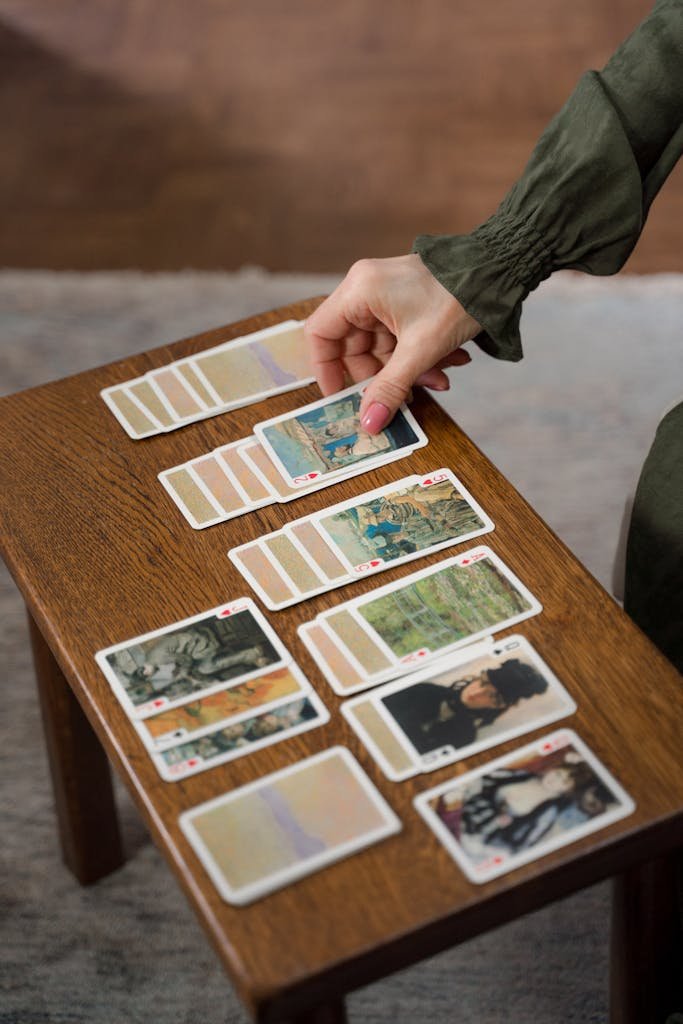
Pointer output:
x,y
581,203
583,198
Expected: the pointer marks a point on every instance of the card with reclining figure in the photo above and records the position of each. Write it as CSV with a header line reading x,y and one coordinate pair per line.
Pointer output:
x,y
197,656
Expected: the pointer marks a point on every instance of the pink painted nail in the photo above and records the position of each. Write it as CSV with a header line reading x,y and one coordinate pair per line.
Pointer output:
x,y
376,418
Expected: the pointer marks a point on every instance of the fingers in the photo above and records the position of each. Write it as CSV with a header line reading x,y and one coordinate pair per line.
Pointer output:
x,y
412,358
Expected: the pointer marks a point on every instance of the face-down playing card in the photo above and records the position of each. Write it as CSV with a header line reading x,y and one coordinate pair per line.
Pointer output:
x,y
284,826
523,805
200,655
475,698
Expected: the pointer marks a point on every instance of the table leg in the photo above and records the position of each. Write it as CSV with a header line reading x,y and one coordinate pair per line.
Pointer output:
x,y
646,970
81,779
325,1013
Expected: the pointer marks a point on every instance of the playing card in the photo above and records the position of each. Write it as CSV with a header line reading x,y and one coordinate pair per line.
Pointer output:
x,y
203,715
445,606
473,699
174,392
198,656
306,538
197,386
325,439
212,475
144,395
137,421
273,560
523,805
251,487
343,674
357,642
192,497
401,521
242,737
265,835
257,365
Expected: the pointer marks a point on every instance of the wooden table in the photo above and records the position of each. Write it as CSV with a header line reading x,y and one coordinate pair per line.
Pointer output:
x,y
101,555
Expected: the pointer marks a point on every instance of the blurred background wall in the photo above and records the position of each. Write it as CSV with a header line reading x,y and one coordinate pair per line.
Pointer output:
x,y
162,134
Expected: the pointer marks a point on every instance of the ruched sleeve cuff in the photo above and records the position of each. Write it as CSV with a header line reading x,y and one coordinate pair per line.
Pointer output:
x,y
579,205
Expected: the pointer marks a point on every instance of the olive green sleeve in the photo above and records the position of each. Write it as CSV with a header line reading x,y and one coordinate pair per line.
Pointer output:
x,y
582,200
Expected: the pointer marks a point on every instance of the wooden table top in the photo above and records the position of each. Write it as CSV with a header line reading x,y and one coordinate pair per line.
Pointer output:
x,y
101,555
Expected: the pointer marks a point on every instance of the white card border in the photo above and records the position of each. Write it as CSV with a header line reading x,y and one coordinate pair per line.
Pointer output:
x,y
237,605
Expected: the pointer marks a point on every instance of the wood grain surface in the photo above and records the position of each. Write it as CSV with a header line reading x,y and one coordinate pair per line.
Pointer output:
x,y
101,555
298,136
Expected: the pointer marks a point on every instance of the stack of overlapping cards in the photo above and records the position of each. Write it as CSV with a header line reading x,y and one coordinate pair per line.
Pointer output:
x,y
391,630
227,376
210,688
377,530
288,456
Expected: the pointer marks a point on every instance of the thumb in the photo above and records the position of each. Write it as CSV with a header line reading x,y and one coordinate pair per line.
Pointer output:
x,y
388,389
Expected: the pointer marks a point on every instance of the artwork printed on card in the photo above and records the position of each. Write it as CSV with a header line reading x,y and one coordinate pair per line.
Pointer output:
x,y
327,438
523,805
403,522
242,737
471,700
462,598
287,825
198,655
206,713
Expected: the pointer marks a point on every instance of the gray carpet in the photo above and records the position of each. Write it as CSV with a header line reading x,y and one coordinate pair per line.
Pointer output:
x,y
569,426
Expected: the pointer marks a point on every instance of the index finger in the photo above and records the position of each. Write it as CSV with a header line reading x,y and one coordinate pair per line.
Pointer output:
x,y
325,331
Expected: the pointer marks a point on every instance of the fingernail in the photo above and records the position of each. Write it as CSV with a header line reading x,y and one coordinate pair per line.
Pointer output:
x,y
376,418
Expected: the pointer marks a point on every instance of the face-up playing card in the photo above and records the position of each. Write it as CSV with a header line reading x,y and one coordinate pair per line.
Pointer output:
x,y
192,497
401,522
325,439
480,696
280,828
454,602
242,737
395,629
203,715
224,377
136,420
196,657
523,805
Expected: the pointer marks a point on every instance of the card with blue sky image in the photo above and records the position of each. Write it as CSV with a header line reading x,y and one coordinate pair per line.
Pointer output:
x,y
325,439
523,805
473,699
284,826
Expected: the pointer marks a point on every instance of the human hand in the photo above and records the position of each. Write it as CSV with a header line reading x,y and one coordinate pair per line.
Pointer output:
x,y
392,321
